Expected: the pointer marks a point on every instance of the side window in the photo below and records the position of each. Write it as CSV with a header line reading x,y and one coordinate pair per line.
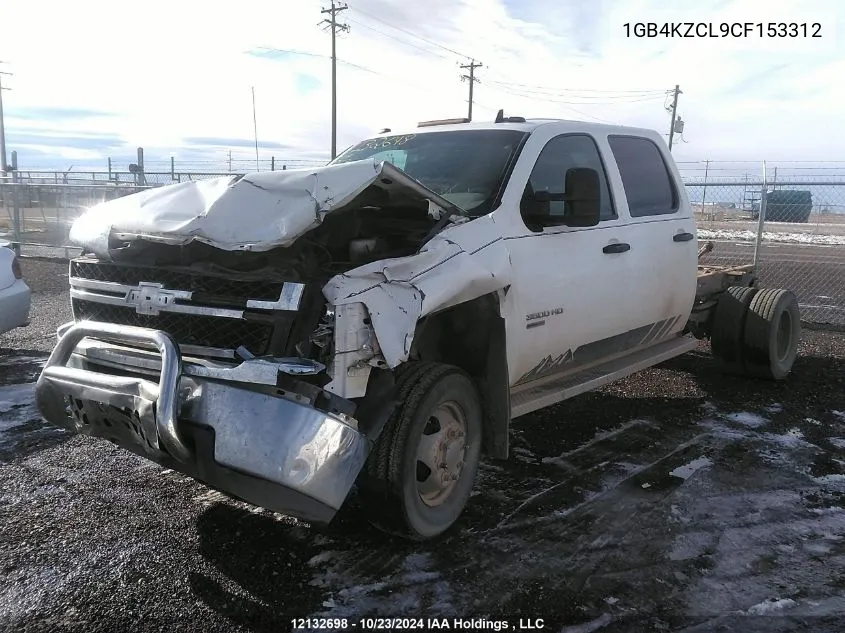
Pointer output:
x,y
560,154
645,177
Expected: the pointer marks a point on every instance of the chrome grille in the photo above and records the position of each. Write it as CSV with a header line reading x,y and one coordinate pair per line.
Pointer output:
x,y
205,311
183,280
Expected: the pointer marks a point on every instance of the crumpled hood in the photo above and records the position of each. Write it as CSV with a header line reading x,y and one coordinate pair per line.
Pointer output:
x,y
258,212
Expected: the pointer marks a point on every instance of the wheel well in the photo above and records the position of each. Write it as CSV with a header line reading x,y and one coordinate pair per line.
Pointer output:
x,y
471,336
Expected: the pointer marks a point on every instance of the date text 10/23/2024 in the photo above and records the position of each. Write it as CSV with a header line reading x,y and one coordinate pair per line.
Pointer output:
x,y
724,29
415,624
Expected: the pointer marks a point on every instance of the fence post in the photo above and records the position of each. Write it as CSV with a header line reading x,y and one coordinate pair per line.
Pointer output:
x,y
141,178
172,169
109,168
704,192
16,209
272,163
761,218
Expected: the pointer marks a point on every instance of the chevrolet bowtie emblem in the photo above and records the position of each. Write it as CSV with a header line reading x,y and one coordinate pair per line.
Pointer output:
x,y
151,298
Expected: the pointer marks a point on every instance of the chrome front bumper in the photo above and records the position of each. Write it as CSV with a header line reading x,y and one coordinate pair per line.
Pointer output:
x,y
252,430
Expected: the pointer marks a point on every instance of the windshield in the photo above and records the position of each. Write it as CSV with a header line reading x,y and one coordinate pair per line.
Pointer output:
x,y
466,167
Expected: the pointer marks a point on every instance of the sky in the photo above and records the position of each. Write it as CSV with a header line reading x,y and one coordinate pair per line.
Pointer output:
x,y
92,81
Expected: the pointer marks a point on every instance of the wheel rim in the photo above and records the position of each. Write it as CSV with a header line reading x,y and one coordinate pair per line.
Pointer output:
x,y
441,453
784,335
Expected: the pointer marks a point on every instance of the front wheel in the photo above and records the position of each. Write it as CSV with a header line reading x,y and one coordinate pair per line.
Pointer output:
x,y
422,469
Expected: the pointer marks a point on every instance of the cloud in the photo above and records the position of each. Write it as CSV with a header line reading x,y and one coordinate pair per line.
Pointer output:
x,y
59,139
183,71
216,141
51,113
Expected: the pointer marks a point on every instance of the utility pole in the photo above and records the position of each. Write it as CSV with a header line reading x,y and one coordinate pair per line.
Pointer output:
x,y
333,11
4,167
255,129
471,78
674,111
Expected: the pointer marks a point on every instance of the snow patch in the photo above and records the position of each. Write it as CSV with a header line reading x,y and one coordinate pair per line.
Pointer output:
x,y
589,627
322,557
751,420
793,438
838,442
770,606
687,470
830,479
15,396
17,407
782,238
839,414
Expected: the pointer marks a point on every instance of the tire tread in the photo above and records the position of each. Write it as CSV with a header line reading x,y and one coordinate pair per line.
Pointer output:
x,y
382,481
729,320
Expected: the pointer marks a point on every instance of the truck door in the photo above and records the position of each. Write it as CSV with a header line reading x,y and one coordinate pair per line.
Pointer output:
x,y
569,301
663,260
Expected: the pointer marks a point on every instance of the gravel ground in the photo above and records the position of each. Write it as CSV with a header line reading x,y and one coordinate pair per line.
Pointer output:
x,y
676,500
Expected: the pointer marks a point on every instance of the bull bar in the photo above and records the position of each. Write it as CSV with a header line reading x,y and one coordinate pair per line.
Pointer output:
x,y
251,430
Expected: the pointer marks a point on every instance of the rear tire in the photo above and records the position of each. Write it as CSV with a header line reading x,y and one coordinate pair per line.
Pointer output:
x,y
420,473
728,334
772,332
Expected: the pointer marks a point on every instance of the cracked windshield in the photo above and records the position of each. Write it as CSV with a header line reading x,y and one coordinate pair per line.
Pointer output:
x,y
466,167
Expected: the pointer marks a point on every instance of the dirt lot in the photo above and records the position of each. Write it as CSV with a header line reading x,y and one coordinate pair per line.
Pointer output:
x,y
676,500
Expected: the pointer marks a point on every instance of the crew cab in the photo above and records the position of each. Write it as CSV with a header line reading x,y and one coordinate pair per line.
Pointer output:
x,y
378,322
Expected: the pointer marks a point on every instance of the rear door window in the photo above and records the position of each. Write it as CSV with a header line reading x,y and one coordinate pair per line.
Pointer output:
x,y
648,185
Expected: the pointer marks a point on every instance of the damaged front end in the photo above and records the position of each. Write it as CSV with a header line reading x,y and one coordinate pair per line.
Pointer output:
x,y
243,331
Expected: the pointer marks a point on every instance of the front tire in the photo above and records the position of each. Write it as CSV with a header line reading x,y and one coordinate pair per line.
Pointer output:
x,y
421,471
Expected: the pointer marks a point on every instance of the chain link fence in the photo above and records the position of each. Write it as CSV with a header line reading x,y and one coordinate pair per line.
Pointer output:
x,y
794,230
799,244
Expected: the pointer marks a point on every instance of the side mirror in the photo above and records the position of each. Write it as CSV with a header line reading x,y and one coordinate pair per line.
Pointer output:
x,y
584,196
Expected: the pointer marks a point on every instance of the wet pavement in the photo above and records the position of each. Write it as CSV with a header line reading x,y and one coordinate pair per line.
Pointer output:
x,y
678,499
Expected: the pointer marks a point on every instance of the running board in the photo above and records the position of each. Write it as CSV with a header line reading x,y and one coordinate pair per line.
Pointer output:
x,y
532,396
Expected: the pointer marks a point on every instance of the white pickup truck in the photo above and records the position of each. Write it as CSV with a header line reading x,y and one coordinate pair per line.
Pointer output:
x,y
286,336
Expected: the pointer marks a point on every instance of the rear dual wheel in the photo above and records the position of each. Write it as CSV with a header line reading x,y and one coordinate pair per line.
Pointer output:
x,y
756,331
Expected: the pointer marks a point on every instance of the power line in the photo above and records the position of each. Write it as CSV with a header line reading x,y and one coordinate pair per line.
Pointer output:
x,y
568,107
397,39
412,34
579,90
333,11
568,99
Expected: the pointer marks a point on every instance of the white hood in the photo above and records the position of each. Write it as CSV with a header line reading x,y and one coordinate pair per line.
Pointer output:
x,y
255,213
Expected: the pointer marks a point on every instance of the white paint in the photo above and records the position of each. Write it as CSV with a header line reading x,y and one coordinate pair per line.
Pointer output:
x,y
15,294
496,251
688,470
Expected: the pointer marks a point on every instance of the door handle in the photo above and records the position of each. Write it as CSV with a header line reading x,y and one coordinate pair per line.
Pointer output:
x,y
682,237
619,247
